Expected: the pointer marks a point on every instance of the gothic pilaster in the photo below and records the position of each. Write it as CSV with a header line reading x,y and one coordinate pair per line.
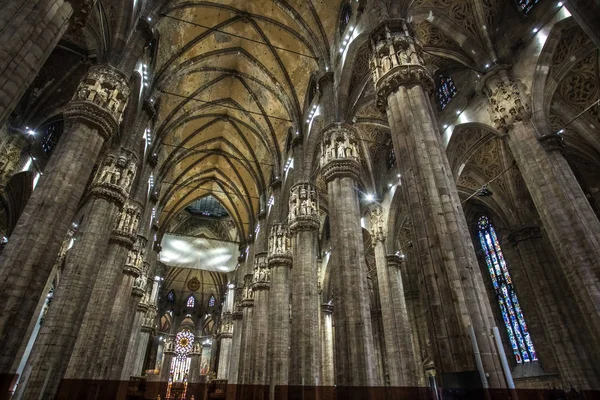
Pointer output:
x,y
567,216
280,263
443,248
246,354
25,265
261,283
327,351
305,342
354,348
225,337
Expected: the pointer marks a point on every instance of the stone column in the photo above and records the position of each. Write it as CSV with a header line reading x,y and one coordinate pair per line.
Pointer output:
x,y
29,32
55,343
168,353
327,357
245,366
278,349
305,339
137,335
542,294
354,349
261,283
225,336
195,359
567,216
456,300
147,330
96,317
396,330
236,342
25,264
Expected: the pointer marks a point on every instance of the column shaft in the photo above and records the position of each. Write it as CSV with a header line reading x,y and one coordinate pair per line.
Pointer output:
x,y
224,357
279,325
327,356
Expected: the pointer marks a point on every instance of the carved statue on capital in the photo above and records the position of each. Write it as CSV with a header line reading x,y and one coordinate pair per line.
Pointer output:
x,y
101,98
114,177
248,292
127,224
169,347
506,104
396,59
10,154
339,152
304,207
139,286
280,244
261,279
377,224
149,320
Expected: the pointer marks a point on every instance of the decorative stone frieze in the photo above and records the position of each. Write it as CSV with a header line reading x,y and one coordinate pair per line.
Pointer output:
x,y
280,245
553,142
149,320
248,292
127,224
377,225
304,208
261,279
100,99
114,177
339,152
169,346
225,330
396,59
506,104
237,303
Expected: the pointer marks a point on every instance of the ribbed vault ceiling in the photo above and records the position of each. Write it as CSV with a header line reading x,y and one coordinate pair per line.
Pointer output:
x,y
231,77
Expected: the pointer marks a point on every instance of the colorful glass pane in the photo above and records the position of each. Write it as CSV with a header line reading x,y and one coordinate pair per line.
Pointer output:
x,y
526,5
446,90
191,302
211,301
514,320
184,341
171,296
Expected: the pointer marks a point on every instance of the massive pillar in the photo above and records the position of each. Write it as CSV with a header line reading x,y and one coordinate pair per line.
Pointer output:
x,y
225,337
245,365
354,349
305,339
236,341
400,362
55,343
26,263
142,338
278,349
457,304
327,356
85,353
261,283
29,32
567,216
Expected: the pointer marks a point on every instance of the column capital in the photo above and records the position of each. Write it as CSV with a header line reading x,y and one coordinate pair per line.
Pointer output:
x,y
139,287
553,142
339,152
114,177
524,233
396,59
377,225
134,265
280,246
247,299
149,321
304,208
261,279
506,103
126,226
100,99
395,260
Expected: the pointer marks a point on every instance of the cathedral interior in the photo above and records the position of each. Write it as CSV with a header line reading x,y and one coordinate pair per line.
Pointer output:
x,y
299,199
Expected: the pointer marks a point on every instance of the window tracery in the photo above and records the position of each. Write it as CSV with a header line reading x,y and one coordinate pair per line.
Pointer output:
x,y
191,302
510,308
446,90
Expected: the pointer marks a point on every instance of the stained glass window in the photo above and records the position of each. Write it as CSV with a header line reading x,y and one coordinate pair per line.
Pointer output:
x,y
51,136
345,17
211,301
446,90
391,161
191,302
171,296
526,5
510,308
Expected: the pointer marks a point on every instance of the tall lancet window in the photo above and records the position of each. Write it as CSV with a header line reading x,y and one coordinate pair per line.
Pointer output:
x,y
211,301
519,337
526,5
191,302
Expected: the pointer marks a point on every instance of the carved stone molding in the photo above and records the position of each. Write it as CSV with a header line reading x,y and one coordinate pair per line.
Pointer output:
x,y
552,143
114,177
377,225
100,99
225,330
248,292
396,60
169,346
261,279
339,152
139,286
134,265
127,224
304,208
394,260
525,233
149,320
327,308
506,104
280,245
